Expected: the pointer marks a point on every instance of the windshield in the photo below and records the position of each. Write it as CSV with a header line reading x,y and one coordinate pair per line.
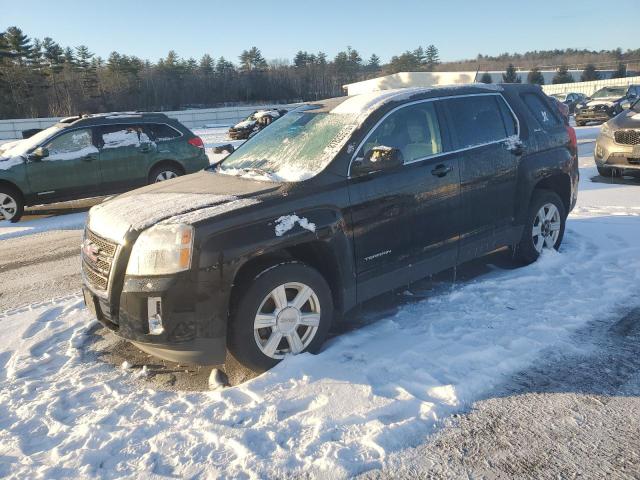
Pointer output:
x,y
609,92
21,147
295,148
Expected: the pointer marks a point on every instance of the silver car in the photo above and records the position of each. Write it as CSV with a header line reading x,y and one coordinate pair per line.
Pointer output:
x,y
617,149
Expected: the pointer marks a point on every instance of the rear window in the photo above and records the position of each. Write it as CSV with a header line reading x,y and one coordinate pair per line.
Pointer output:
x,y
545,116
119,136
161,132
479,119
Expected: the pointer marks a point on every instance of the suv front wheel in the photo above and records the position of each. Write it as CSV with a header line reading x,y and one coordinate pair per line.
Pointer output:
x,y
544,227
286,310
11,204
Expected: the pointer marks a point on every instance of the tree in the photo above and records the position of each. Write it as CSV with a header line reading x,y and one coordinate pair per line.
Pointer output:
x,y
511,75
535,76
53,54
432,57
407,62
69,58
83,56
252,59
620,72
589,73
19,44
562,76
486,78
420,55
373,65
207,64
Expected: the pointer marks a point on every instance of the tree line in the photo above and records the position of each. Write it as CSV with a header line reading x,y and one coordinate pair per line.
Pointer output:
x,y
39,77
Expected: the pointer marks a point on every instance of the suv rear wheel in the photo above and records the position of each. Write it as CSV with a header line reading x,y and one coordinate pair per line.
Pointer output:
x,y
287,309
164,172
544,227
11,204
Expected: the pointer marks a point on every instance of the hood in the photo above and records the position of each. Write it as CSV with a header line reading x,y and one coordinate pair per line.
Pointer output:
x,y
244,124
7,162
187,199
627,119
600,101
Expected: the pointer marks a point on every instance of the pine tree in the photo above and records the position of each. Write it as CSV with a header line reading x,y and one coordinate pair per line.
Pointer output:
x,y
511,75
420,55
432,57
19,44
373,65
84,57
589,73
252,59
562,76
486,78
535,76
53,54
207,65
69,58
620,72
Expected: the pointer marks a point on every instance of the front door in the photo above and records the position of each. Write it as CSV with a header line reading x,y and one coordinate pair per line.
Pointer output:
x,y
405,220
69,171
125,155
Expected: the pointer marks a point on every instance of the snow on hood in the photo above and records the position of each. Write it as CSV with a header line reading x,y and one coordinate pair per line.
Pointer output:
x,y
245,124
7,162
266,113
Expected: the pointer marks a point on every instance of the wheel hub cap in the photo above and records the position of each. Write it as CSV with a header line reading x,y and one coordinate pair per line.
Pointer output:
x,y
287,320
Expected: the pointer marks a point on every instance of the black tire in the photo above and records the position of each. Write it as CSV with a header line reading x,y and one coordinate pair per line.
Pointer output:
x,y
166,169
525,251
607,172
241,341
7,192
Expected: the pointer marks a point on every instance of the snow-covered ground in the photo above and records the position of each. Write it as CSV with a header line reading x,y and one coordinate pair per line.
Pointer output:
x,y
371,393
215,136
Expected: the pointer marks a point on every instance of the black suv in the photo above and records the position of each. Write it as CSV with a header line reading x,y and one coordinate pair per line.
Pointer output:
x,y
605,104
337,202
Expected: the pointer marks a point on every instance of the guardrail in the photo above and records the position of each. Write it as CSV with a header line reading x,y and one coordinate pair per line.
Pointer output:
x,y
589,87
11,129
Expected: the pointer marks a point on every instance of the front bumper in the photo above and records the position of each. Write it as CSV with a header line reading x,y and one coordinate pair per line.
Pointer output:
x,y
608,153
193,321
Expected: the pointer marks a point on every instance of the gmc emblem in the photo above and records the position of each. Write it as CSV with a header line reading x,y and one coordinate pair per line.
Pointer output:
x,y
90,250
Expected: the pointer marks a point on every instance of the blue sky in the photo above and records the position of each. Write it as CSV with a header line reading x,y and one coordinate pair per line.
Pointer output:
x,y
459,28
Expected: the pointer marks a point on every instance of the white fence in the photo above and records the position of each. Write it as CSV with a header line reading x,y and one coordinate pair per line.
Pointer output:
x,y
589,87
10,129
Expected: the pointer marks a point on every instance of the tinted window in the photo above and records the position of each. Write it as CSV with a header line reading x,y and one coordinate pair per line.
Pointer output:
x,y
161,132
478,120
71,145
117,136
543,113
414,130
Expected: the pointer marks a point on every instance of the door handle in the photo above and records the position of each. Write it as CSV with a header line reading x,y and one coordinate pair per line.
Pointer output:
x,y
441,170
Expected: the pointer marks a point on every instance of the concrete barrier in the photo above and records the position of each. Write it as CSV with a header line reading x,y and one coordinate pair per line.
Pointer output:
x,y
589,87
197,118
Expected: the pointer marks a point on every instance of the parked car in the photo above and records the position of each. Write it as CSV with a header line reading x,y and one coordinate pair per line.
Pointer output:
x,y
95,155
604,104
339,201
254,123
562,108
617,149
570,99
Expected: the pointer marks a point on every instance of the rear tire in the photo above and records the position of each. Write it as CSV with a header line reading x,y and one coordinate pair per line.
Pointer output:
x,y
541,233
164,172
11,204
607,172
294,305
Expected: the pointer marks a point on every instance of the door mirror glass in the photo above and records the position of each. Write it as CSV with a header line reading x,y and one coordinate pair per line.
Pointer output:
x,y
39,153
378,158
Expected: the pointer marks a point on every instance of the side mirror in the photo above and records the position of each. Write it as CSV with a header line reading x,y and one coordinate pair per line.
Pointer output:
x,y
39,153
224,148
379,158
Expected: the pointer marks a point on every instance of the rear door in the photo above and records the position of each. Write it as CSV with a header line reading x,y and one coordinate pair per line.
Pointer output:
x,y
480,126
70,170
126,152
405,220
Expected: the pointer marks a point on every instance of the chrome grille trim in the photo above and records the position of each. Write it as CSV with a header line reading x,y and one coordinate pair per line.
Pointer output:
x,y
627,137
98,270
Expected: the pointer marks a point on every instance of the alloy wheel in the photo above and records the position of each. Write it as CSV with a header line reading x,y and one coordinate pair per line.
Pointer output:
x,y
546,227
8,207
166,175
287,320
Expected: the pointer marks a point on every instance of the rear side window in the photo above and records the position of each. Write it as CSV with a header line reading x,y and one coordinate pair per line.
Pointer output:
x,y
117,136
543,112
161,132
478,120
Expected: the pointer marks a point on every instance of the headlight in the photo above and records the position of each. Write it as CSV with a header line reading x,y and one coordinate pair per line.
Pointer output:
x,y
606,130
161,250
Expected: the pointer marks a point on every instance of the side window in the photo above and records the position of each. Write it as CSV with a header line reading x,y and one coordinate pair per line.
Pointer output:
x,y
414,130
510,122
161,132
116,136
71,145
545,116
479,119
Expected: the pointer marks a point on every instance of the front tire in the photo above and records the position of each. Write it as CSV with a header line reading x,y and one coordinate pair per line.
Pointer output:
x,y
287,309
11,204
544,227
607,172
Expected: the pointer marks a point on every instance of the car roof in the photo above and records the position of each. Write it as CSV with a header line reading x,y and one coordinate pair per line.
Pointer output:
x,y
113,118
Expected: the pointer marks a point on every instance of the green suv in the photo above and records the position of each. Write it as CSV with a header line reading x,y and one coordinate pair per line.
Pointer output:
x,y
95,155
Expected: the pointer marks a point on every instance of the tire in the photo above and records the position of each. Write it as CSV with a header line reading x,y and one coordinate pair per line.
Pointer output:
x,y
259,349
164,172
607,171
11,204
529,248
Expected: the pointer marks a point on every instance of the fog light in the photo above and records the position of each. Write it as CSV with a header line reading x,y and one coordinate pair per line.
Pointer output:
x,y
599,151
154,314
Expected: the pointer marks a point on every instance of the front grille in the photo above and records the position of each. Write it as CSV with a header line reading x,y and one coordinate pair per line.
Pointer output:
x,y
98,255
627,137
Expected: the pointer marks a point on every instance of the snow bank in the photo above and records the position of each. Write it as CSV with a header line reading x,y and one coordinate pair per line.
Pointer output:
x,y
73,221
